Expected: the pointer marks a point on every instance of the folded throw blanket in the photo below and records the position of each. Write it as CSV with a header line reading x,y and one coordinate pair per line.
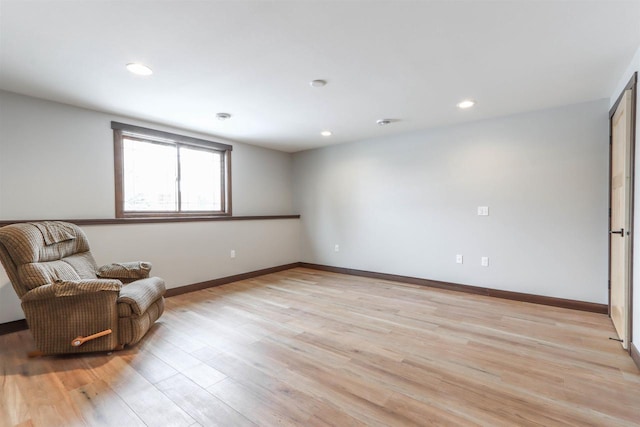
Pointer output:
x,y
55,231
125,270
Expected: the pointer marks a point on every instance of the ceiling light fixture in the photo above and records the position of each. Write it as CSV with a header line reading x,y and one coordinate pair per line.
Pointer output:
x,y
384,122
326,133
139,69
467,103
223,116
318,83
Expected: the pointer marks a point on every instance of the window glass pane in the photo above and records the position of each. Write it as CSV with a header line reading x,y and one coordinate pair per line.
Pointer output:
x,y
150,172
200,181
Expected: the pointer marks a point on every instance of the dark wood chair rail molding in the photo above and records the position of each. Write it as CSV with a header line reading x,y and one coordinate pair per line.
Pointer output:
x,y
106,221
18,325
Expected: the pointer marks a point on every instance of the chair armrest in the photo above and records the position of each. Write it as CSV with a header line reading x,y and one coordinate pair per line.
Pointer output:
x,y
139,295
125,270
64,288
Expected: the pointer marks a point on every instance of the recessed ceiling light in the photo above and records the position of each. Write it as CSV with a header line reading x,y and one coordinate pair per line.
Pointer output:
x,y
326,133
139,69
223,116
318,83
467,103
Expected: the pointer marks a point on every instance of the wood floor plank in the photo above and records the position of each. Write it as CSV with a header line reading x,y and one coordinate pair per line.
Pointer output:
x,y
13,404
100,406
148,365
305,347
205,408
255,407
148,403
297,404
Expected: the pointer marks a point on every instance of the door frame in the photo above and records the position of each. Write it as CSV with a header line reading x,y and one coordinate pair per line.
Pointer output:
x,y
632,85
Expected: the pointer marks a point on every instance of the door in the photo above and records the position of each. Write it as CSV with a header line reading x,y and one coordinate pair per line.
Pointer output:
x,y
620,221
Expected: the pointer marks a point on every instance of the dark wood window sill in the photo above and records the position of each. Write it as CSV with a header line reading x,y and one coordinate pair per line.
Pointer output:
x,y
149,220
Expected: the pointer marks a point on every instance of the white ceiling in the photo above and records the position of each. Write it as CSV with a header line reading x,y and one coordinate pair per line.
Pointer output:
x,y
406,60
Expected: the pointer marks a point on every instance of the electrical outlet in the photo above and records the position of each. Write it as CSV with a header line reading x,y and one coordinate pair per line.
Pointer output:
x,y
458,259
483,210
232,254
336,248
484,261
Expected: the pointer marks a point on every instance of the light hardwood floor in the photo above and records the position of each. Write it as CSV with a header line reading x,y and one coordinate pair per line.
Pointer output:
x,y
310,348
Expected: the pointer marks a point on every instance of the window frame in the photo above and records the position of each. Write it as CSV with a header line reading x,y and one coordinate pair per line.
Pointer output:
x,y
122,130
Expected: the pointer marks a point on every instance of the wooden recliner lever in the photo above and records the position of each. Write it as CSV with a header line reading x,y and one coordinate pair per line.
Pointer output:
x,y
78,341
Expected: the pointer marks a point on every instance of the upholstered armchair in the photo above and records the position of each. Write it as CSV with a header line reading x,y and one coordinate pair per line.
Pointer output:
x,y
70,304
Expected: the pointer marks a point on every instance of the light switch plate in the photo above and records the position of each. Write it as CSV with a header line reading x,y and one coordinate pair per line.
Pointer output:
x,y
484,261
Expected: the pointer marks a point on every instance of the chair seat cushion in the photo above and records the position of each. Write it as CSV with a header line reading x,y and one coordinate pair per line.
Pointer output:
x,y
136,297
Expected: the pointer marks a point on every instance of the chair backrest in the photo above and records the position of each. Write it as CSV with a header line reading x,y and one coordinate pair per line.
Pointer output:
x,y
38,253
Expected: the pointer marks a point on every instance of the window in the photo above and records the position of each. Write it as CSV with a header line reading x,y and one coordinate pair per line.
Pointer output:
x,y
163,174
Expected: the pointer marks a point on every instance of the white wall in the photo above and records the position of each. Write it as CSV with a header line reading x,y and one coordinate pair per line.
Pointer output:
x,y
407,204
56,161
64,156
403,205
633,67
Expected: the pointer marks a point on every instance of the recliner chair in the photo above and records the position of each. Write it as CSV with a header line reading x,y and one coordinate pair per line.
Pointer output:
x,y
70,304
